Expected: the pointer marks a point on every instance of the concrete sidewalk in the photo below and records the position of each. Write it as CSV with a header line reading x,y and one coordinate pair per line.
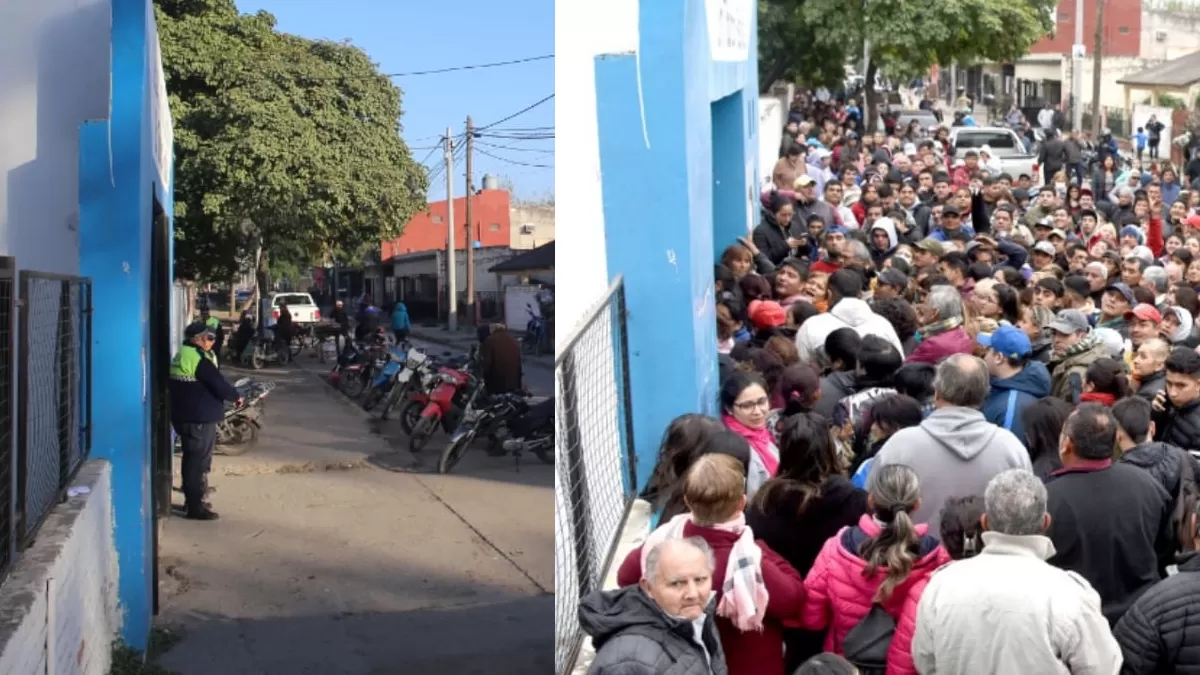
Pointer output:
x,y
322,563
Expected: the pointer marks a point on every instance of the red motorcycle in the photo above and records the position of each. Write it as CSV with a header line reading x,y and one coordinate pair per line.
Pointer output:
x,y
444,400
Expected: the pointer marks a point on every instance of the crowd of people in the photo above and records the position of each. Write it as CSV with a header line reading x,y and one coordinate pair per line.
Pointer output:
x,y
959,413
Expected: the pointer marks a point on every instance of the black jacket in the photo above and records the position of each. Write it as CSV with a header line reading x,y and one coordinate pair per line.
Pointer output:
x,y
1111,524
632,636
341,318
1161,632
798,536
1053,156
1162,462
200,400
1179,426
834,387
1149,387
771,239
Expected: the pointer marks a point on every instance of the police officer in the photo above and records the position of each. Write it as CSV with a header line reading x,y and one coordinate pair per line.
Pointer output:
x,y
198,393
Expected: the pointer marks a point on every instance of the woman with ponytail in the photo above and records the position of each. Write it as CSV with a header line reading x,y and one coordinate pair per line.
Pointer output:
x,y
875,564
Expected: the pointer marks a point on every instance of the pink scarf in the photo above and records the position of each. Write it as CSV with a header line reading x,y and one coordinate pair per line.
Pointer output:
x,y
760,440
744,597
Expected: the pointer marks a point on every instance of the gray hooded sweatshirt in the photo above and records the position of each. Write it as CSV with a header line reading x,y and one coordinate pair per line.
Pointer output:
x,y
956,453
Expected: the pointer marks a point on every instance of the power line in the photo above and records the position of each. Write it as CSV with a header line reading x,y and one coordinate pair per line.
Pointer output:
x,y
522,111
435,71
513,161
473,66
514,148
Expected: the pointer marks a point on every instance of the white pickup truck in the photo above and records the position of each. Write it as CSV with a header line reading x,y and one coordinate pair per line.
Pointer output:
x,y
1003,142
301,306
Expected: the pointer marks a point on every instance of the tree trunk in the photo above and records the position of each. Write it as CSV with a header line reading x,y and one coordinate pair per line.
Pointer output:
x,y
773,75
262,283
233,308
871,111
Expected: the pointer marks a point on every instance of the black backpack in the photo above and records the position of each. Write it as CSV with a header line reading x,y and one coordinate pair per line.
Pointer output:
x,y
866,645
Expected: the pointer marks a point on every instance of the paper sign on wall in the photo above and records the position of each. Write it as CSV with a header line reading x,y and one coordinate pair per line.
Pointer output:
x,y
729,28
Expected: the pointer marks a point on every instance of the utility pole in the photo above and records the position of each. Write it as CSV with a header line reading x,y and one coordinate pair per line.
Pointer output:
x,y
1097,62
451,267
1077,71
470,224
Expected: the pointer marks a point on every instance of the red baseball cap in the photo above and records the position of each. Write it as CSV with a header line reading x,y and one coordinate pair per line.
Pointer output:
x,y
766,314
1193,220
1144,312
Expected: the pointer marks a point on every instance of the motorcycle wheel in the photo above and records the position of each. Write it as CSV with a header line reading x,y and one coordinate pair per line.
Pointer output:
x,y
454,451
372,399
410,416
392,398
257,358
546,455
296,346
421,433
245,437
353,384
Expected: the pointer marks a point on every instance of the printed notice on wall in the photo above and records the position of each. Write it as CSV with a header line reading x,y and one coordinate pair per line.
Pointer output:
x,y
729,28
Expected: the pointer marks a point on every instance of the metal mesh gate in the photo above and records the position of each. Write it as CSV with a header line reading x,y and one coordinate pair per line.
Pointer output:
x,y
594,480
8,299
54,398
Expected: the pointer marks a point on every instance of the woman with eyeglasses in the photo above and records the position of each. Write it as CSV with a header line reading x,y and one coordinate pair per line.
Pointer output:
x,y
746,405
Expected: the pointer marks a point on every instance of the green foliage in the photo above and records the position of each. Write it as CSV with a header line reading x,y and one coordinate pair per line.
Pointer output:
x,y
1169,101
282,141
785,36
907,36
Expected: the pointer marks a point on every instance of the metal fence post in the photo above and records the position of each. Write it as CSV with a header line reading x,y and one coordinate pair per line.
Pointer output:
x,y
626,393
577,477
20,517
66,417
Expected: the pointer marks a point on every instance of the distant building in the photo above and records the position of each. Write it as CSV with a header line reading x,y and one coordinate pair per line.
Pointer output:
x,y
413,266
1137,35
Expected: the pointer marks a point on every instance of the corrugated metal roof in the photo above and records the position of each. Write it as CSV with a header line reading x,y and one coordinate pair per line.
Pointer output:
x,y
1179,73
540,258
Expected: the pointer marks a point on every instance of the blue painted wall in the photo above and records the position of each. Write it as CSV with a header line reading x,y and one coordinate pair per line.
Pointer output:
x,y
675,192
117,181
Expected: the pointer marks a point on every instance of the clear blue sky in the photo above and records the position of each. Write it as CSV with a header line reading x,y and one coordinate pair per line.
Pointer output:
x,y
408,35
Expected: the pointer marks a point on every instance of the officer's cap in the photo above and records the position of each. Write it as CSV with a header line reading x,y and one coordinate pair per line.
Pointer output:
x,y
198,328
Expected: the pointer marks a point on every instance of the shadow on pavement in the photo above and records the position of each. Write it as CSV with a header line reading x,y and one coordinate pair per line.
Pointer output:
x,y
509,638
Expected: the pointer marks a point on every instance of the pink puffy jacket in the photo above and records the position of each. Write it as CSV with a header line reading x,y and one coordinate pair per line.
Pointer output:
x,y
839,595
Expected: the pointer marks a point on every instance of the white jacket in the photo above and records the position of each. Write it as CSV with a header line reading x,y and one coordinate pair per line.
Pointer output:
x,y
1008,611
848,313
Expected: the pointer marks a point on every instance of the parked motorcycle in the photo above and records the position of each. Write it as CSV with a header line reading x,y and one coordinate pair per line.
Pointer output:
x,y
535,328
483,416
533,432
238,431
382,384
447,398
357,366
426,380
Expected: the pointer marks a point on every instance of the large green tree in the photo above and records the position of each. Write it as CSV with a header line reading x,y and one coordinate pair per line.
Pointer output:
x,y
907,37
282,143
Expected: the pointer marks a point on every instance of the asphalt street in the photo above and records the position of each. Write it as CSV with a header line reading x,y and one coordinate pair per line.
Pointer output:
x,y
340,552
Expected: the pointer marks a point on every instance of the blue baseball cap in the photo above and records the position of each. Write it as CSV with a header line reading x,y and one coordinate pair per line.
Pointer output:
x,y
1008,341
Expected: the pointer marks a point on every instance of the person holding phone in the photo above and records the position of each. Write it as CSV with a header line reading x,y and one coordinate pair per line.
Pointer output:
x,y
1177,409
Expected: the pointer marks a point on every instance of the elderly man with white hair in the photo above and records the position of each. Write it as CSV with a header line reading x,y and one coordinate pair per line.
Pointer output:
x,y
942,332
1007,610
665,623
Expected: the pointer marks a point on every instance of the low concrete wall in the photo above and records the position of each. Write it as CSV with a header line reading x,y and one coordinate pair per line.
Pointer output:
x,y
58,607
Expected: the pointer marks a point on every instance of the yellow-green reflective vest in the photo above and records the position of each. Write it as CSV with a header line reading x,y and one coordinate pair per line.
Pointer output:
x,y
187,359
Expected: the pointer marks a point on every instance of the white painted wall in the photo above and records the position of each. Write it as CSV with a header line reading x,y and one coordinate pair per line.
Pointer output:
x,y
54,75
583,30
60,601
771,114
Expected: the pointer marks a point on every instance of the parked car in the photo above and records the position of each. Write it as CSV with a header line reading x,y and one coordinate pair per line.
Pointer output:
x,y
1004,144
301,305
